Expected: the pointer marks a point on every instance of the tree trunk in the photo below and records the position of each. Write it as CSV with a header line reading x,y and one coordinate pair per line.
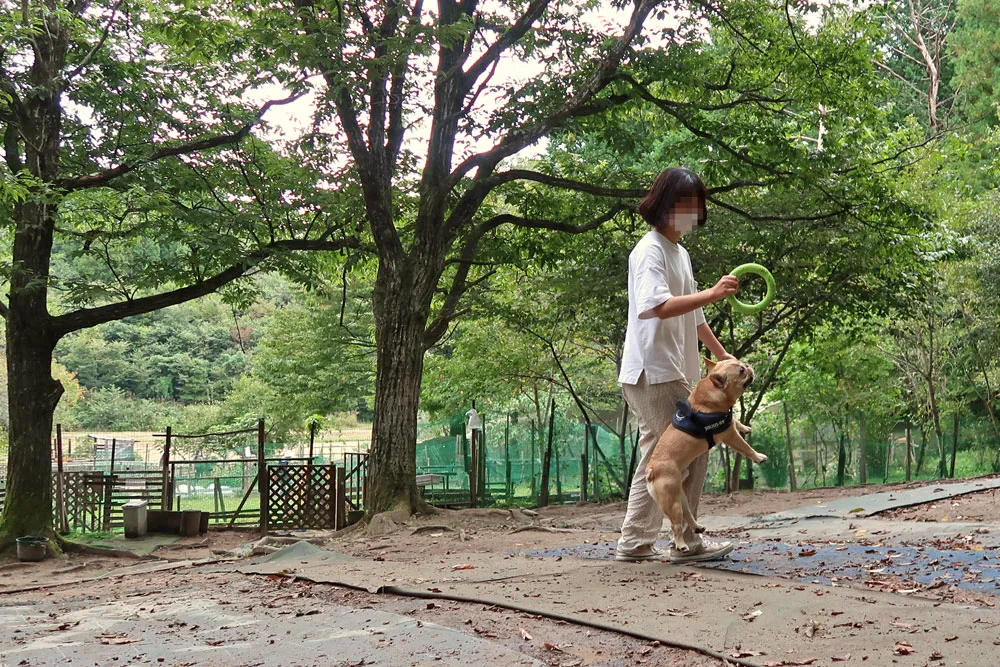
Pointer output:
x,y
923,448
32,392
400,319
32,398
733,485
841,461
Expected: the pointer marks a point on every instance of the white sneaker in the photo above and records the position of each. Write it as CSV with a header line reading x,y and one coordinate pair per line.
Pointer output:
x,y
640,554
707,550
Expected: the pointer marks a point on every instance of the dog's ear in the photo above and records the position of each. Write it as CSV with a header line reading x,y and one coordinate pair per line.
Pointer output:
x,y
709,364
720,380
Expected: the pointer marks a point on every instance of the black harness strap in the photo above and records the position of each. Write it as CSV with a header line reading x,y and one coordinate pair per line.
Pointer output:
x,y
701,424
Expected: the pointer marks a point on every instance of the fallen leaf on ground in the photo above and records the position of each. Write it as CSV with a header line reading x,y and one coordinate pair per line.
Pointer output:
x,y
745,654
841,658
936,655
524,635
463,567
677,612
805,553
117,640
790,663
902,648
752,615
951,639
553,647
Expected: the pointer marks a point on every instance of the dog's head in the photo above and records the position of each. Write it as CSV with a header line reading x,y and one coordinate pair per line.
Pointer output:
x,y
730,376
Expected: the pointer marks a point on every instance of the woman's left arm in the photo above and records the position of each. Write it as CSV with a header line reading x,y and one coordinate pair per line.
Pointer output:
x,y
706,336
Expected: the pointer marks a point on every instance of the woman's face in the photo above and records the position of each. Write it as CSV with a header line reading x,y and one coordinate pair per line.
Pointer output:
x,y
684,215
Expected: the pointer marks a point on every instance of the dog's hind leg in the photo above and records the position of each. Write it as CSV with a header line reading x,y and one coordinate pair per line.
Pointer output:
x,y
666,487
689,516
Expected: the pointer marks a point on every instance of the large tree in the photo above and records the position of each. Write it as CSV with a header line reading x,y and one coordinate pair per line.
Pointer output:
x,y
125,138
423,112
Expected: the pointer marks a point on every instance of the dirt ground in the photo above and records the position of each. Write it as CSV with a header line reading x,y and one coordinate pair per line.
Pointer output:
x,y
980,506
552,642
446,535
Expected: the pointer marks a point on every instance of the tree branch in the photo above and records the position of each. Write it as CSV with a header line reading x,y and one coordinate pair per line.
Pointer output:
x,y
518,139
103,178
459,284
597,190
779,218
4,310
12,148
89,317
506,40
396,130
97,47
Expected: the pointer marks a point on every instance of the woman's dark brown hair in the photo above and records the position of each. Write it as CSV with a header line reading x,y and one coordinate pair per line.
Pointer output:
x,y
669,187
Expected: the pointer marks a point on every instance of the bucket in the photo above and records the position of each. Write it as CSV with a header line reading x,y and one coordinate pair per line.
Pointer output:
x,y
32,549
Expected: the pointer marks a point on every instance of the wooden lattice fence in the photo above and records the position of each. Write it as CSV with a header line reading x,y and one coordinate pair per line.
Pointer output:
x,y
305,496
84,496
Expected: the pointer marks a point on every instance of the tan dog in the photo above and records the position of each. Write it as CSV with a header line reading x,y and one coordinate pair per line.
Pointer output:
x,y
676,450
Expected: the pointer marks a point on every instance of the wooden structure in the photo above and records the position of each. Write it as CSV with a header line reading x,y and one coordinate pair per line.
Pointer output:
x,y
305,496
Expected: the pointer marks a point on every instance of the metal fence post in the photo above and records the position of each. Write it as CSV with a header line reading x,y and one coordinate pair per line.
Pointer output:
x,y
262,476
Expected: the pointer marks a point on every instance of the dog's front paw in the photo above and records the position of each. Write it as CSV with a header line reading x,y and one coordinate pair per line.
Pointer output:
x,y
760,458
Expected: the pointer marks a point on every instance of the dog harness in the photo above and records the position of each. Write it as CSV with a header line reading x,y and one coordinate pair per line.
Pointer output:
x,y
701,424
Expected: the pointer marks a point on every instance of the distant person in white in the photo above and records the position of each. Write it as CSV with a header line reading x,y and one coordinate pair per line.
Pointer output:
x,y
660,362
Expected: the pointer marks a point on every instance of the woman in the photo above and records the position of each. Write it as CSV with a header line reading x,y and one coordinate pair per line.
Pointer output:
x,y
660,361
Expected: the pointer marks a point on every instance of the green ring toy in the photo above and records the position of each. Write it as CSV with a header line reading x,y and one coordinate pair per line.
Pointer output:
x,y
751,308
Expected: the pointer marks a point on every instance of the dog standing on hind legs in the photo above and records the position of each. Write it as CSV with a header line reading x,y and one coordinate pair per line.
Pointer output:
x,y
705,418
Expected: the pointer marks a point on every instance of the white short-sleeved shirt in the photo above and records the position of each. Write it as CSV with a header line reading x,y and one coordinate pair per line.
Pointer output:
x,y
667,349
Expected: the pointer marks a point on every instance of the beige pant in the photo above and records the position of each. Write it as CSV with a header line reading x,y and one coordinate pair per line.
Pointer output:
x,y
653,406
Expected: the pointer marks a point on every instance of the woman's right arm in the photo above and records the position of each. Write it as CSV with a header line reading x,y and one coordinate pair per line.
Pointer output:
x,y
681,305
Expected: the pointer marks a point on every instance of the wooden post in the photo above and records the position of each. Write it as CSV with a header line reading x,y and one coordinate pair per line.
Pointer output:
x,y
114,446
309,464
791,452
312,440
109,485
909,451
481,484
262,476
474,470
60,501
222,501
167,499
339,497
